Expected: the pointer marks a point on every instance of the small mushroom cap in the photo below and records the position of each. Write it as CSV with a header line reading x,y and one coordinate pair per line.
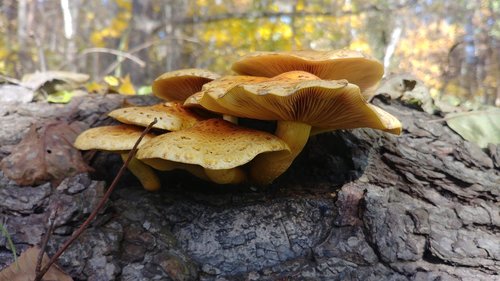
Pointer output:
x,y
170,116
213,144
179,84
333,104
193,101
111,138
354,66
219,87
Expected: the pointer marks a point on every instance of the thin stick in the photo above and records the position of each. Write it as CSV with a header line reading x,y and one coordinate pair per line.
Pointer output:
x,y
11,80
94,213
45,240
115,64
118,53
461,114
146,45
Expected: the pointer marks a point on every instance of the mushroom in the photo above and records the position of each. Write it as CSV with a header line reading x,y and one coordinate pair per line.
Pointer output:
x,y
179,84
354,66
218,147
171,116
300,102
120,139
219,87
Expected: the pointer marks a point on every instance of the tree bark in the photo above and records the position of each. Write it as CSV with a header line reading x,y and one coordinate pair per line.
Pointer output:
x,y
356,205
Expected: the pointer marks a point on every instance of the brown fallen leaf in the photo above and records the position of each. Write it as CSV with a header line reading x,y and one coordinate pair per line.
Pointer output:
x,y
25,268
46,154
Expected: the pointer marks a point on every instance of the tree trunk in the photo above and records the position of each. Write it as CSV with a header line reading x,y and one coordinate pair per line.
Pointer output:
x,y
173,30
71,15
356,205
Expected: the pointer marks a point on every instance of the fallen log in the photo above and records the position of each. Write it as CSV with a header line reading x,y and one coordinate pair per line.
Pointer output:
x,y
356,205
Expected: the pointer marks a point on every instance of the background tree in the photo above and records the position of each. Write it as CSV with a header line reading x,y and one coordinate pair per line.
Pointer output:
x,y
451,45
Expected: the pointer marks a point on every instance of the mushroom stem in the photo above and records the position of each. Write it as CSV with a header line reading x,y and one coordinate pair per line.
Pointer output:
x,y
226,176
143,172
266,167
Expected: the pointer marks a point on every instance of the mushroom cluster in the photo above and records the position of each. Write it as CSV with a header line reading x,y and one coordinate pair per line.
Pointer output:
x,y
305,92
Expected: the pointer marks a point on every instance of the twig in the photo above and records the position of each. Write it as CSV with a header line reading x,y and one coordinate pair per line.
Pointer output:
x,y
115,64
118,53
94,213
45,240
146,45
11,80
85,52
460,114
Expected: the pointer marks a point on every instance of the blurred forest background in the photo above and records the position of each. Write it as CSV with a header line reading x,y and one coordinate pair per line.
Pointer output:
x,y
452,45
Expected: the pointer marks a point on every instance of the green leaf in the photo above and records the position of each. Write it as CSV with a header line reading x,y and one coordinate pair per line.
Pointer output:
x,y
60,97
5,234
480,127
145,90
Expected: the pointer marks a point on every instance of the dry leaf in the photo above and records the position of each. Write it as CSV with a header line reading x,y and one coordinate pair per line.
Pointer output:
x,y
480,127
113,84
25,268
38,79
126,86
99,88
44,155
112,81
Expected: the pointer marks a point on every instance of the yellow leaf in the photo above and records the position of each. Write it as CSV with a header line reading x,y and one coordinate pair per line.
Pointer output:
x,y
112,81
118,25
97,39
3,53
359,44
300,6
60,97
95,87
284,30
126,87
125,4
90,16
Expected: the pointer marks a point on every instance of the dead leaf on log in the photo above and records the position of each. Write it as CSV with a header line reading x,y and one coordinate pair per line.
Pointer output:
x,y
480,127
46,154
38,80
26,265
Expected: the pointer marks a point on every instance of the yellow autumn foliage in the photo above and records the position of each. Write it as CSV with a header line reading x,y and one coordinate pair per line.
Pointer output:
x,y
213,33
426,50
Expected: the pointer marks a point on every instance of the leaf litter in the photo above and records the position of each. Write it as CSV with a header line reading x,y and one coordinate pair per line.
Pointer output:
x,y
25,268
45,154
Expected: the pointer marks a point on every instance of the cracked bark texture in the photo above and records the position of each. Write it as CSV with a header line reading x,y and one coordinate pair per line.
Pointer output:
x,y
357,205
